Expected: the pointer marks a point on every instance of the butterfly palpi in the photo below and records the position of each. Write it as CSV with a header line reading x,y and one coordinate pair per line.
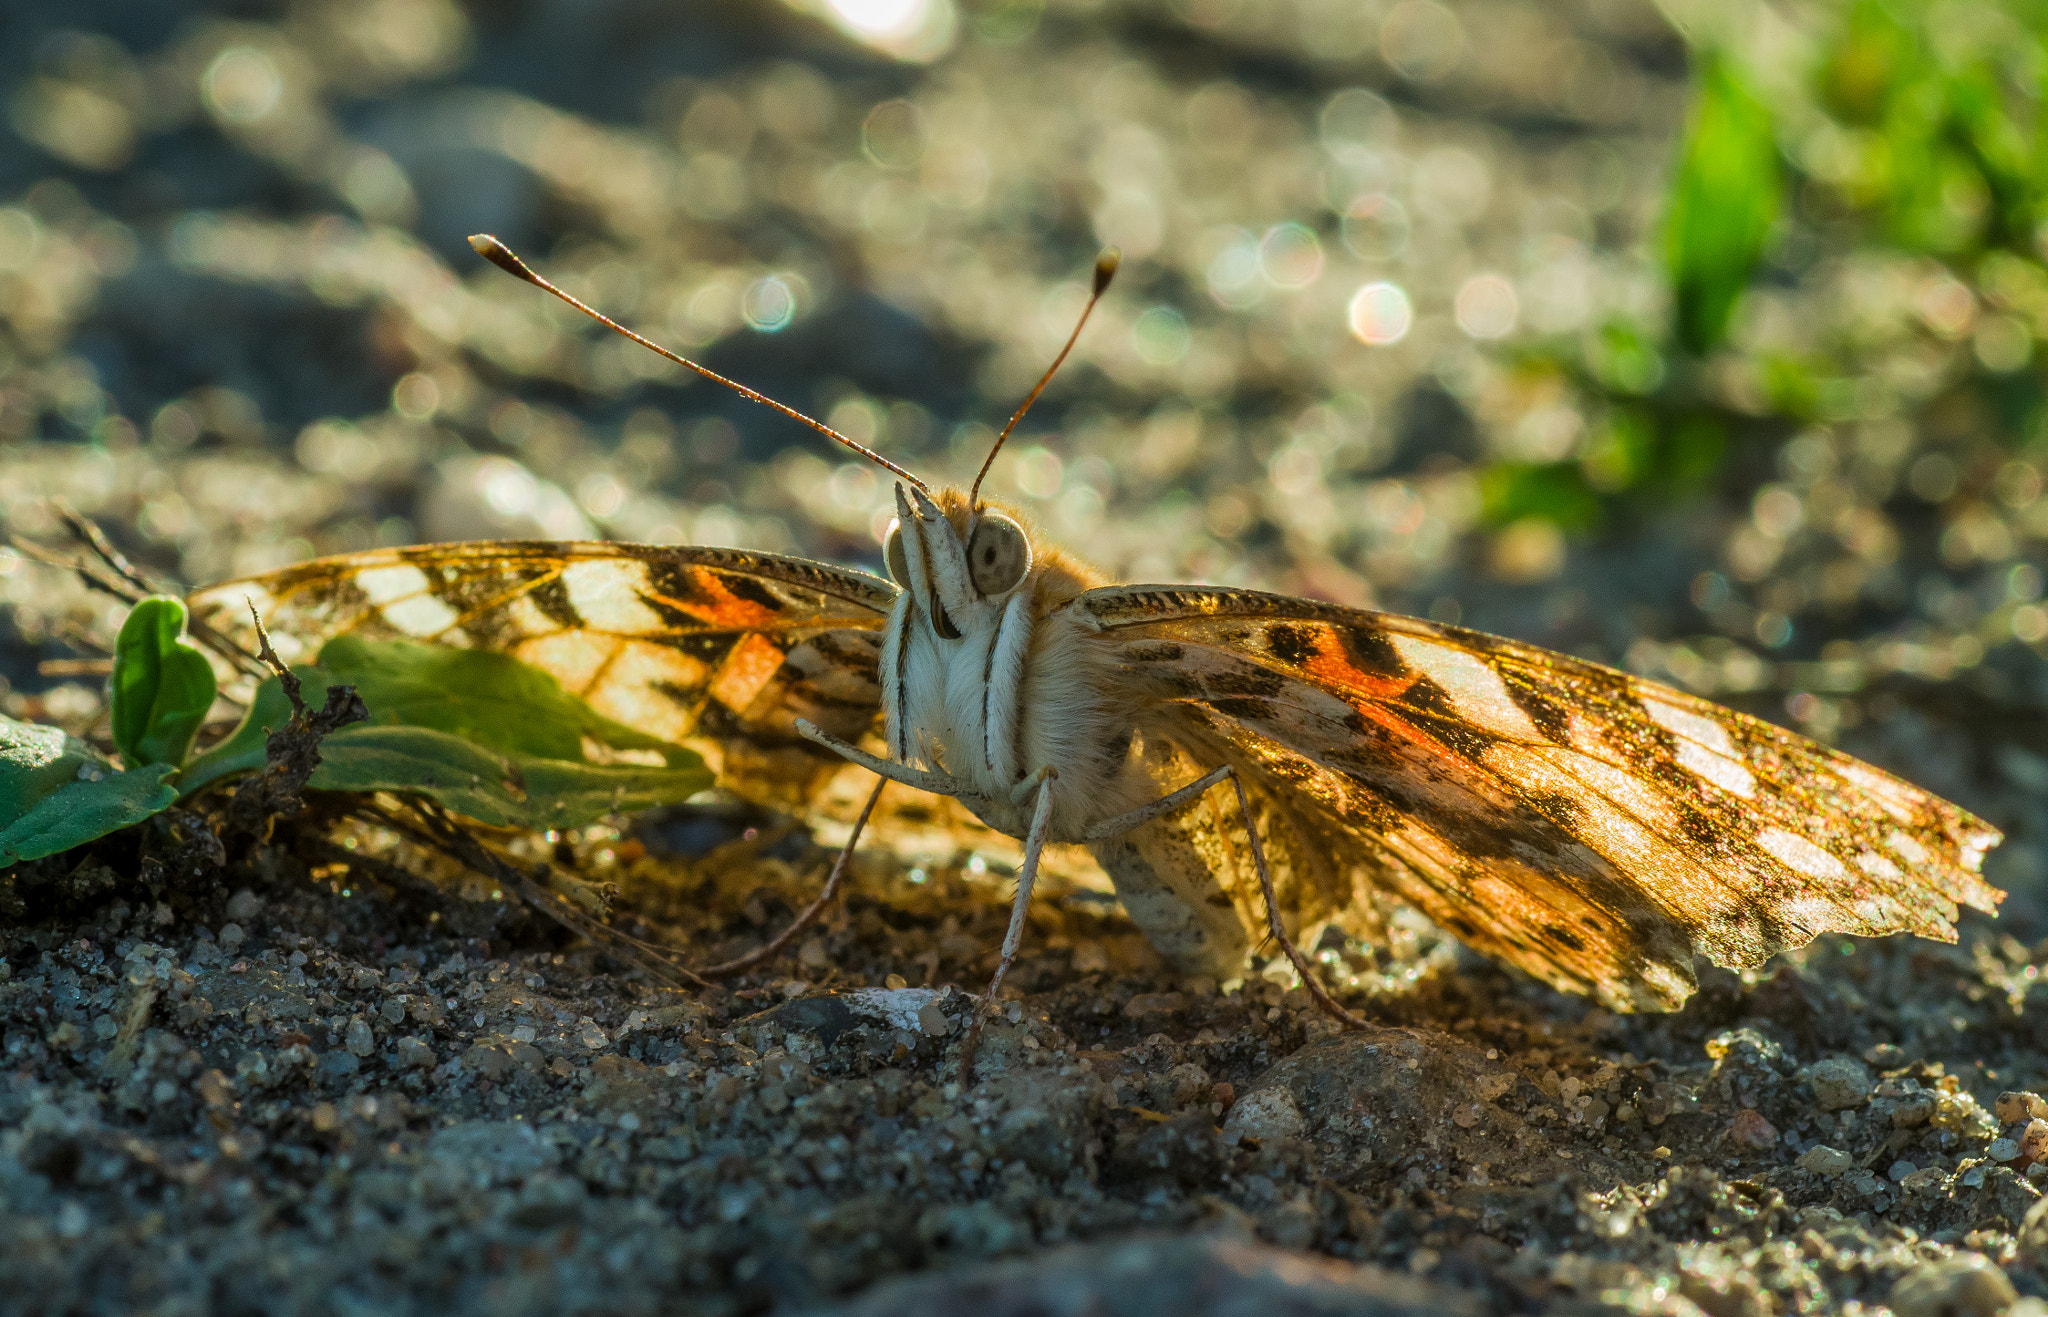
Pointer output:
x,y
1243,765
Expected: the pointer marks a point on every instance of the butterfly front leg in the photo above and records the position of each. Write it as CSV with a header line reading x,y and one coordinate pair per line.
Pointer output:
x,y
938,784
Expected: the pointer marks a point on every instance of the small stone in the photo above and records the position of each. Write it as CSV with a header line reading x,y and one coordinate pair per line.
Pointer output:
x,y
2033,1141
393,1011
244,906
1966,1285
357,1037
1750,1130
1900,1169
933,1021
1270,1113
1823,1160
231,936
1466,1115
1839,1082
415,1054
2012,1107
812,954
592,1036
2003,1150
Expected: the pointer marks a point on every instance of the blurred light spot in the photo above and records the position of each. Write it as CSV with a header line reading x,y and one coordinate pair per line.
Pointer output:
x,y
1380,314
893,134
1946,305
1933,477
1777,511
1006,22
1234,275
1375,227
1227,516
601,494
1356,118
1709,591
1486,306
858,419
76,123
1290,255
2030,624
1453,185
2018,484
377,188
416,396
241,85
1422,40
1160,336
174,426
956,174
2003,343
507,488
915,30
1129,218
853,486
893,210
768,304
1527,551
20,236
1773,629
1038,471
2023,583
1295,469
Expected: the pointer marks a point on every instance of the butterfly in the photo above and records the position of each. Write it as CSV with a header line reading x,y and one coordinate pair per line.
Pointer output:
x,y
1243,765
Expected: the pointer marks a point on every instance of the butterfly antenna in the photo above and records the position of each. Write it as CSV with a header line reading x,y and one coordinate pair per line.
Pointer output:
x,y
498,254
1105,270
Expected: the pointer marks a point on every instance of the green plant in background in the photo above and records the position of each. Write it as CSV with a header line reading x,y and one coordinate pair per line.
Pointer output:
x,y
481,733
1920,132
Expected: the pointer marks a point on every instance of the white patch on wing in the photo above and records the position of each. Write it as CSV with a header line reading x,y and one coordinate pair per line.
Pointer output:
x,y
1723,772
383,585
1893,796
525,615
1878,866
1796,852
420,615
1704,747
1907,848
605,592
1475,690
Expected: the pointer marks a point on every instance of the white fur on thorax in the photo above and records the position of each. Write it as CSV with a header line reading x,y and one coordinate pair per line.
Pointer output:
x,y
1023,688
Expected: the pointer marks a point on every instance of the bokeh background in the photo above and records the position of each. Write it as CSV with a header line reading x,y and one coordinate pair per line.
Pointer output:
x,y
1702,338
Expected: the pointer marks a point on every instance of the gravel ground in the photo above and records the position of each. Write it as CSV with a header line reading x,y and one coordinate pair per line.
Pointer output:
x,y
328,1073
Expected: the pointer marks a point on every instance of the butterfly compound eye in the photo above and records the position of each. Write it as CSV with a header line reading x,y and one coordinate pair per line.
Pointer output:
x,y
892,554
998,555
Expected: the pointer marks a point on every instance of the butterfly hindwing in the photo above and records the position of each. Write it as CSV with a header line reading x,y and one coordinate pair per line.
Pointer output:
x,y
1590,827
718,649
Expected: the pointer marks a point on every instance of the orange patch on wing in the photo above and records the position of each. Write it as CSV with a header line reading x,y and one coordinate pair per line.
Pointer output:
x,y
1367,692
747,670
720,607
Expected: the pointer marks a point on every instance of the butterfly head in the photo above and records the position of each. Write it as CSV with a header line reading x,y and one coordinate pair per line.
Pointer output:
x,y
960,561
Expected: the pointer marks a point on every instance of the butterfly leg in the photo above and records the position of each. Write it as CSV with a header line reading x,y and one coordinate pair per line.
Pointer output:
x,y
1027,877
1166,804
811,912
1300,962
936,783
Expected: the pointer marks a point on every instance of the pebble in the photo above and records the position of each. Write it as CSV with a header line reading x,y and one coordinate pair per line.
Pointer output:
x,y
1839,1082
2012,1107
1749,1129
1967,1285
1270,1113
1823,1160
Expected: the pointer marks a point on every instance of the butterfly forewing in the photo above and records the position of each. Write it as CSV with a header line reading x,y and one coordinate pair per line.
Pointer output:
x,y
717,649
1588,826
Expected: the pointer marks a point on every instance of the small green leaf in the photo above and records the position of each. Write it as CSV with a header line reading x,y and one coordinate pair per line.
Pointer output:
x,y
1555,492
1723,202
483,696
57,792
485,757
162,687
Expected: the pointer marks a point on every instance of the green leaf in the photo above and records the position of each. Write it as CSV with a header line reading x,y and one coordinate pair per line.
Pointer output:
x,y
1723,202
483,696
57,792
162,687
488,756
1556,492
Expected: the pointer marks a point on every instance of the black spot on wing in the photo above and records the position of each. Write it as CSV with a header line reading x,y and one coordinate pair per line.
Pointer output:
x,y
1564,937
1442,719
1162,651
1368,649
1291,643
754,592
1245,681
551,597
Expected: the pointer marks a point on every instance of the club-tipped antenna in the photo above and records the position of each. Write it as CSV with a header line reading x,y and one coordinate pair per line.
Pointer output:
x,y
1105,270
498,254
